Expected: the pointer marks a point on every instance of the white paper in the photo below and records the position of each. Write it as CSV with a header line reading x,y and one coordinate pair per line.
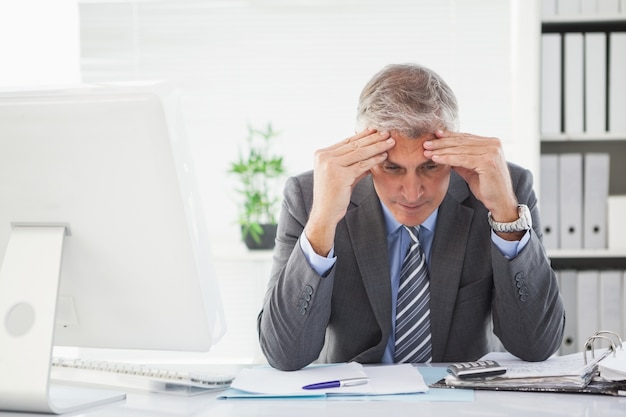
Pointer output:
x,y
384,380
560,366
613,368
392,379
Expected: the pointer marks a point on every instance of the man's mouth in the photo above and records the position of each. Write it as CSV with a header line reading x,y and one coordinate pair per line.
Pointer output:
x,y
411,207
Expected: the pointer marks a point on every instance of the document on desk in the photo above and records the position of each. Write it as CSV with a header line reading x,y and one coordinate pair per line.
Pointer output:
x,y
556,373
264,381
566,370
567,373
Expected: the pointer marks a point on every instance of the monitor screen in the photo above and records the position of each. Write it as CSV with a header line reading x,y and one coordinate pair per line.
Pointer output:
x,y
110,167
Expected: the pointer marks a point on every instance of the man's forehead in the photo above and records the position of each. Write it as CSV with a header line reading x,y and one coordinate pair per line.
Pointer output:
x,y
398,163
408,148
398,135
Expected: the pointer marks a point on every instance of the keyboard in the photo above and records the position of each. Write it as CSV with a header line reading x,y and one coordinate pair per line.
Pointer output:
x,y
136,376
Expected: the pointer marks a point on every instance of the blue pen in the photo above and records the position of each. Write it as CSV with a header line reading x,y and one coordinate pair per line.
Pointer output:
x,y
348,382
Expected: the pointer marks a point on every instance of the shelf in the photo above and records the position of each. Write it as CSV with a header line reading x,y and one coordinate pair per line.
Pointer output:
x,y
600,259
583,137
587,253
612,143
584,23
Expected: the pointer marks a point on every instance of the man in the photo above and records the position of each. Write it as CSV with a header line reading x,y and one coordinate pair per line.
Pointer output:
x,y
472,217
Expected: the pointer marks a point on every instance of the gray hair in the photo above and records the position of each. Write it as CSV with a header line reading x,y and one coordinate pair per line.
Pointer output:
x,y
407,98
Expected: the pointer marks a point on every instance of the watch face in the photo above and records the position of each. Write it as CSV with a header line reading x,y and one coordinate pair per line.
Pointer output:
x,y
524,214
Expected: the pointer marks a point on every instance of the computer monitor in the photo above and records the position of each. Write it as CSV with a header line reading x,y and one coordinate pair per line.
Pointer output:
x,y
102,233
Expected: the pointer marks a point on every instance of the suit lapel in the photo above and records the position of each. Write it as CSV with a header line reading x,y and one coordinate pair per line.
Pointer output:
x,y
446,263
368,235
366,227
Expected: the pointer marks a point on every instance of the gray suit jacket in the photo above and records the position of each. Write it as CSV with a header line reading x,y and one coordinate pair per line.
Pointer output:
x,y
346,316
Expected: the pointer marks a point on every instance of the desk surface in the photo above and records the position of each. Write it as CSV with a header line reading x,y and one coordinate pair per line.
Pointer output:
x,y
492,403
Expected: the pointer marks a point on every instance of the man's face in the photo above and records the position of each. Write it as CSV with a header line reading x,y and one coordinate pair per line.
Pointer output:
x,y
410,185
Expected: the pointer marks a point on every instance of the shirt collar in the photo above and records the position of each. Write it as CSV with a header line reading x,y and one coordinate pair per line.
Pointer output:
x,y
392,225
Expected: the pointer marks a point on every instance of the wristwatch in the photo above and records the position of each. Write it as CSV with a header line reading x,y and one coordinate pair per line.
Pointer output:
x,y
525,221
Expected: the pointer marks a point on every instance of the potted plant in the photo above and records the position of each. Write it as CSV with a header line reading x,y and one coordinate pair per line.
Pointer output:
x,y
258,171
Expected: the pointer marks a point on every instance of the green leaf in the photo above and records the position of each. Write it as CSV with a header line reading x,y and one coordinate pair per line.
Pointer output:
x,y
258,170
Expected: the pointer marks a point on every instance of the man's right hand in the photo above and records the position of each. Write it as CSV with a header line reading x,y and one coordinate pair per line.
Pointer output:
x,y
338,169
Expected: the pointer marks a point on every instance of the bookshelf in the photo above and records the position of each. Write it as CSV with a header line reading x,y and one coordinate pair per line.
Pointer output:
x,y
608,135
583,66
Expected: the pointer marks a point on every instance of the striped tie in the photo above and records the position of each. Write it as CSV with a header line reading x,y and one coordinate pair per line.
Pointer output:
x,y
413,307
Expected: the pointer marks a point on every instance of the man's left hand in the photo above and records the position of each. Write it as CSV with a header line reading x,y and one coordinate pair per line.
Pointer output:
x,y
481,163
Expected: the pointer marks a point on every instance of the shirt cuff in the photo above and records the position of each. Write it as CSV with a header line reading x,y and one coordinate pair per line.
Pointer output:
x,y
320,264
510,249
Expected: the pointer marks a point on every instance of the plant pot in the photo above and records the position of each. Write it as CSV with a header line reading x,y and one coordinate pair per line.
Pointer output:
x,y
267,238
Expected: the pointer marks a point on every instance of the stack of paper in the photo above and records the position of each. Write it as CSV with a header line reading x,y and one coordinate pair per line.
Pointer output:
x,y
382,380
613,368
569,371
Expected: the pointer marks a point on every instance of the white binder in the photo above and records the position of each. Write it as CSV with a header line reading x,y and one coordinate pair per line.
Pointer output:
x,y
548,8
550,83
598,7
617,222
568,286
574,83
570,200
588,7
568,8
611,316
617,81
588,302
595,82
549,200
595,202
609,7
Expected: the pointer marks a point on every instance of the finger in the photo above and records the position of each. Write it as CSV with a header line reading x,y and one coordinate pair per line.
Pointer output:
x,y
361,146
360,141
363,167
358,159
445,139
439,133
480,159
365,150
457,160
463,144
353,173
466,150
342,144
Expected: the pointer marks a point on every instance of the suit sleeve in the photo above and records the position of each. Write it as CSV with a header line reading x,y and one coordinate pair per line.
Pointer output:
x,y
296,309
528,312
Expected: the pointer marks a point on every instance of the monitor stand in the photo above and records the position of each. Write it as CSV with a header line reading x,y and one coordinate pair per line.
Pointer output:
x,y
29,285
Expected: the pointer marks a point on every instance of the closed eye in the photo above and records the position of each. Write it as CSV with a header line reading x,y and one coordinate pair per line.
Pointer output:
x,y
430,166
391,168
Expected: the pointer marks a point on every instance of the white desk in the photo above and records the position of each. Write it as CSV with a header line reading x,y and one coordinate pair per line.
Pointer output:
x,y
486,403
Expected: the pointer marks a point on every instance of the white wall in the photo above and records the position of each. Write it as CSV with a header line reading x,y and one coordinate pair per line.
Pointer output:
x,y
39,43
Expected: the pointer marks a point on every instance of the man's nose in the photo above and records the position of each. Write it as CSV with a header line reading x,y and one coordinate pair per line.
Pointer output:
x,y
412,188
